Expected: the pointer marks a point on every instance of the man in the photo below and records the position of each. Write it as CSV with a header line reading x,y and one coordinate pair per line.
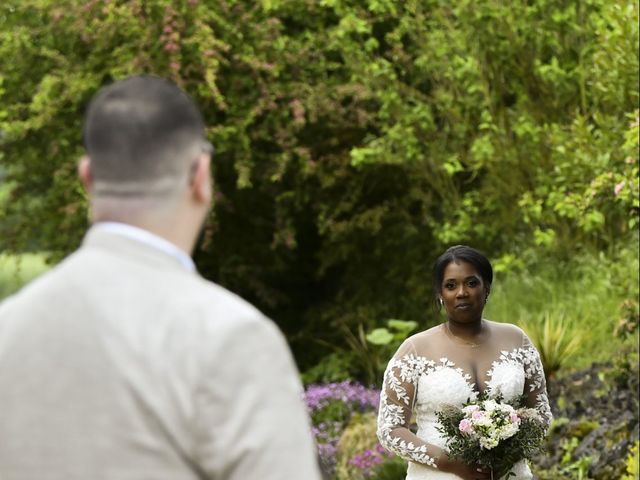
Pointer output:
x,y
122,362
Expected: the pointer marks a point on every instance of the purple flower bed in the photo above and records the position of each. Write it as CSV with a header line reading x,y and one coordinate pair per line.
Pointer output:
x,y
318,396
369,459
331,406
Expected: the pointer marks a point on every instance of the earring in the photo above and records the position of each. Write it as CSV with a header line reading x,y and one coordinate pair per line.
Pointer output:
x,y
441,302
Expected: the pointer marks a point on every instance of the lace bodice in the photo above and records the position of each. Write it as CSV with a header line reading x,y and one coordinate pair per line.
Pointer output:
x,y
432,369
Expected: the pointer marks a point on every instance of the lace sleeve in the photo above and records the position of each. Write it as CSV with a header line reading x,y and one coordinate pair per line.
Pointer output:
x,y
535,384
396,406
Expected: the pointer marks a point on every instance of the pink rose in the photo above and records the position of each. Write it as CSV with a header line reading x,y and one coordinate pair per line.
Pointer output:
x,y
515,418
618,188
465,426
477,415
470,408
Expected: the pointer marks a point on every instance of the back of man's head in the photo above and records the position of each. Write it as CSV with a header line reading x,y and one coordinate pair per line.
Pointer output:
x,y
142,136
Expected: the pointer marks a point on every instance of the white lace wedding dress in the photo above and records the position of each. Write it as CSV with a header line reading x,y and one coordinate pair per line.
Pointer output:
x,y
433,369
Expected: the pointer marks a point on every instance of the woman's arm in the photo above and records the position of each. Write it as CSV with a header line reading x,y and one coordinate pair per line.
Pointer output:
x,y
535,387
396,406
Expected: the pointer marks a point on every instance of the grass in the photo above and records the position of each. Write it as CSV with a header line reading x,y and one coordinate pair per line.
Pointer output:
x,y
17,270
582,298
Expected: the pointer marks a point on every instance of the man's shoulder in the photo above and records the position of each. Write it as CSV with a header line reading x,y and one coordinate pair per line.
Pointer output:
x,y
209,297
88,275
228,325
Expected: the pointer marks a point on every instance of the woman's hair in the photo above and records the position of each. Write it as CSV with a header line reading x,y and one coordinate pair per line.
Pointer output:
x,y
461,253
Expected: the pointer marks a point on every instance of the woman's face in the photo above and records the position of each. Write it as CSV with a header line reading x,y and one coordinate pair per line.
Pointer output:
x,y
463,292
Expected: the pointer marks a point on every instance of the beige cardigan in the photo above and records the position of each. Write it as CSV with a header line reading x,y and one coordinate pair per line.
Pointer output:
x,y
119,364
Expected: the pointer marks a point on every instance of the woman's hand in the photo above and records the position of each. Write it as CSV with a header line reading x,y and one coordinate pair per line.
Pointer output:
x,y
463,470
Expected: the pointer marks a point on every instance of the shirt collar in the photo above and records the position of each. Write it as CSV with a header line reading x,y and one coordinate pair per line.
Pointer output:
x,y
148,238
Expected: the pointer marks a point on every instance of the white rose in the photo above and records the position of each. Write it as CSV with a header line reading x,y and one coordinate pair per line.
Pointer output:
x,y
470,409
490,405
508,431
488,443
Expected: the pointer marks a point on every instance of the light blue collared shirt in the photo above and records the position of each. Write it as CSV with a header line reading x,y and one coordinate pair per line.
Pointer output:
x,y
148,238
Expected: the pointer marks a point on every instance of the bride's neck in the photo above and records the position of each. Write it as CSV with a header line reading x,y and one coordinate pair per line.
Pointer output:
x,y
469,330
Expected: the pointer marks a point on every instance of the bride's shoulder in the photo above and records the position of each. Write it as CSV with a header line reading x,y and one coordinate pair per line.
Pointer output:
x,y
507,331
422,340
428,334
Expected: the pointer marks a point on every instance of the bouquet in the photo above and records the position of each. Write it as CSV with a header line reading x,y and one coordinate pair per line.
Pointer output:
x,y
492,433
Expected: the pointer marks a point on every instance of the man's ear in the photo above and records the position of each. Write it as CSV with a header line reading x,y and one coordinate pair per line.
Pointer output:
x,y
84,173
201,180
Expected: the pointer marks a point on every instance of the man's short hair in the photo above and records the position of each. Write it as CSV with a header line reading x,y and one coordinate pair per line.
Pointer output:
x,y
142,135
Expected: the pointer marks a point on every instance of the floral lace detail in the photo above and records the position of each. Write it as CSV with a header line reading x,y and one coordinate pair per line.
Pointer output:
x,y
406,369
410,367
506,378
446,363
529,359
543,408
409,451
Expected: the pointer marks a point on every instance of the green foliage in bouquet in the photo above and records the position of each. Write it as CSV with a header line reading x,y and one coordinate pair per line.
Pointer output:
x,y
472,449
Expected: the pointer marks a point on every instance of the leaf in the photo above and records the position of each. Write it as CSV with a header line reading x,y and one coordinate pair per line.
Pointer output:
x,y
380,336
402,326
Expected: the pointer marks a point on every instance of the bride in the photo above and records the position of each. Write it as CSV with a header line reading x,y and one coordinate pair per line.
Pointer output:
x,y
451,363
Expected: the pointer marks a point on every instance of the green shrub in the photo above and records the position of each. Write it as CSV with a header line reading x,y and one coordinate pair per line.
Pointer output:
x,y
358,437
632,463
393,468
629,318
361,457
577,470
578,297
348,154
624,369
17,270
365,356
556,340
582,428
334,367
